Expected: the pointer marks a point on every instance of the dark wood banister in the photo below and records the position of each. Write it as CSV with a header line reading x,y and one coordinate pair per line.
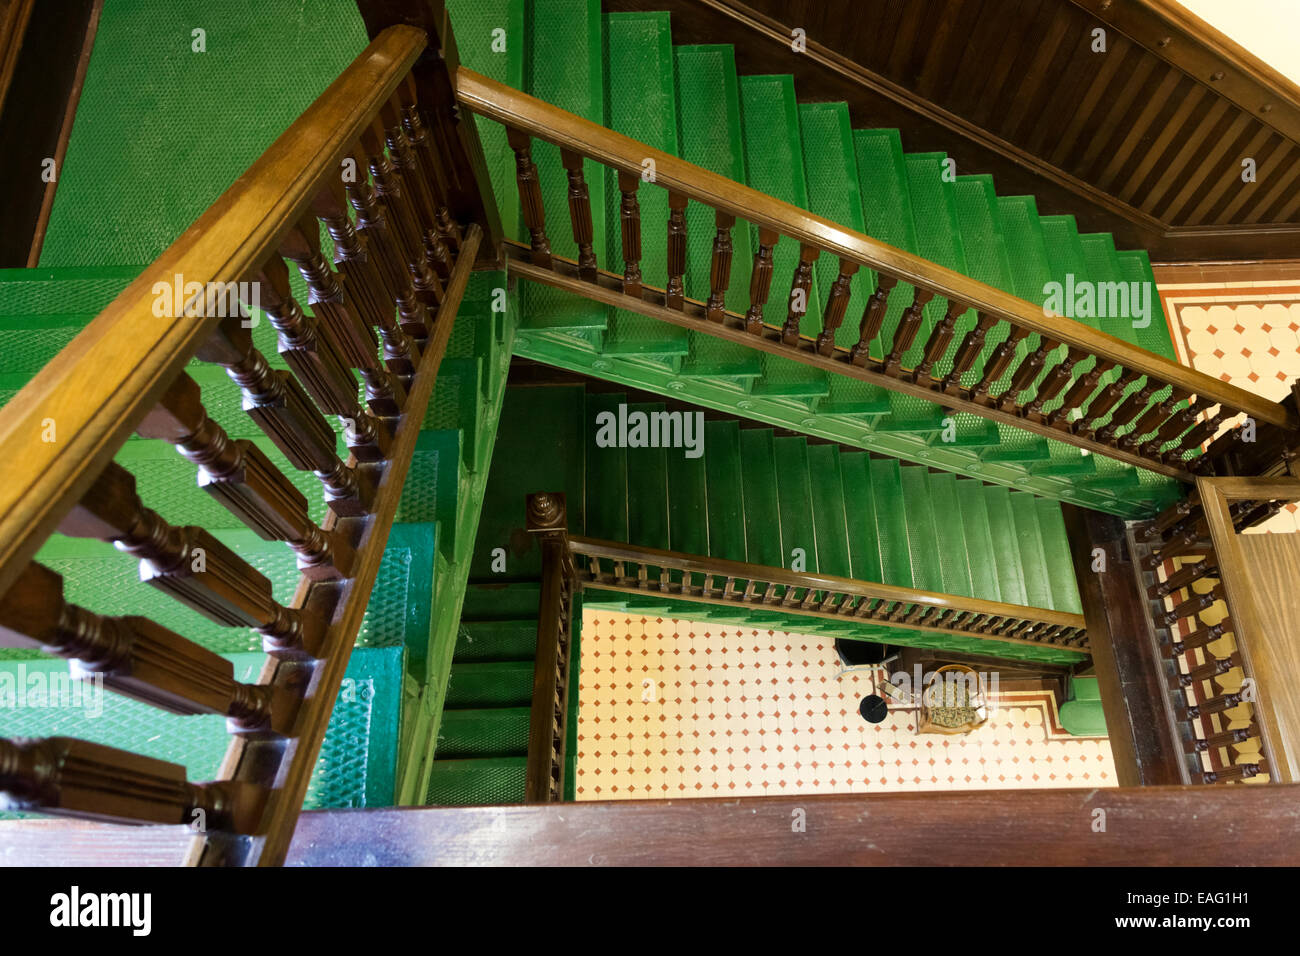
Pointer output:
x,y
512,108
1041,619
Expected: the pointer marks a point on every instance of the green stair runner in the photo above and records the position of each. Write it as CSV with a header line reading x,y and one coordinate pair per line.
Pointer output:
x,y
752,129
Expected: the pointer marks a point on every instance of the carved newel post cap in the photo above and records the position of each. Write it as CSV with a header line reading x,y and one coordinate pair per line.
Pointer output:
x,y
546,511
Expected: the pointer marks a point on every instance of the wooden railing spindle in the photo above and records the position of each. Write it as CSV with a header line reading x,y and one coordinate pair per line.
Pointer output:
x,y
720,268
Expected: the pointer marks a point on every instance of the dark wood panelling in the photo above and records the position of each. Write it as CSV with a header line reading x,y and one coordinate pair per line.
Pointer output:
x,y
1143,141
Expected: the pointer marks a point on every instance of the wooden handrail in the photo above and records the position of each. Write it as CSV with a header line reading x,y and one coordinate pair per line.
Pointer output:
x,y
96,391
820,595
520,111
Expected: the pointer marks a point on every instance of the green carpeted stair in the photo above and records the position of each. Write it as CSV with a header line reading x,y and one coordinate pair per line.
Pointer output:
x,y
689,100
752,496
1082,714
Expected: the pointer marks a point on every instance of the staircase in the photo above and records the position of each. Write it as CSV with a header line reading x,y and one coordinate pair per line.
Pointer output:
x,y
689,101
752,496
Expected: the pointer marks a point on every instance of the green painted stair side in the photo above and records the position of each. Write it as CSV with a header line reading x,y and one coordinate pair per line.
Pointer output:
x,y
726,490
921,534
833,192
606,513
950,537
641,102
564,68
688,503
763,530
774,165
891,523
1038,589
860,516
794,502
647,488
1002,528
708,111
552,459
139,169
977,533
479,47
828,510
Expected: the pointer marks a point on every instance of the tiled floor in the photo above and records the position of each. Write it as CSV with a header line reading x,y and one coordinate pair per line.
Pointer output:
x,y
672,708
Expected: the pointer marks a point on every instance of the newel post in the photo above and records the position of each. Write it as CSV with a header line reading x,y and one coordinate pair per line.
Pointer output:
x,y
548,519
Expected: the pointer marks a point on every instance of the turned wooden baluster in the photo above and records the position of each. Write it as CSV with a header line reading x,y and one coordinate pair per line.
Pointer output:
x,y
1258,515
1157,413
760,281
720,267
314,357
1198,638
352,335
407,166
629,218
282,409
430,161
1226,739
800,289
77,778
873,316
1079,392
1193,439
1174,426
580,214
364,284
188,563
1025,373
908,325
1053,382
373,226
1128,410
530,196
1171,516
400,212
1104,402
1192,606
967,352
940,338
1207,671
1215,705
137,658
303,344
1226,444
243,479
999,359
675,294
1238,771
1184,577
837,303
